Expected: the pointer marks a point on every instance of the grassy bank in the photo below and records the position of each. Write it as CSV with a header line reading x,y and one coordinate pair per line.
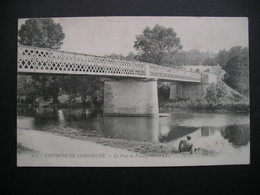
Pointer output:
x,y
21,148
202,105
216,98
143,148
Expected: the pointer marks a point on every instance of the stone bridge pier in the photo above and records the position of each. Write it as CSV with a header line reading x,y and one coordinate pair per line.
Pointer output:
x,y
131,97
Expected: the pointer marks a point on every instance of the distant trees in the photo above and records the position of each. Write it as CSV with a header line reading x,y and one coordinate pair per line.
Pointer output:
x,y
157,44
222,58
116,56
210,62
235,62
194,57
131,56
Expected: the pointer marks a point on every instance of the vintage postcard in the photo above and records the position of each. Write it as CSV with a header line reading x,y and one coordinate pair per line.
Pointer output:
x,y
132,91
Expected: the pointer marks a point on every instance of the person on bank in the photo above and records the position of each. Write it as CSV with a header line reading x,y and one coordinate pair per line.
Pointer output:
x,y
186,145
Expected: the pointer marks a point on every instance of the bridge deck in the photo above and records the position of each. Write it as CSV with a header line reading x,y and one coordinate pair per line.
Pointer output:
x,y
42,60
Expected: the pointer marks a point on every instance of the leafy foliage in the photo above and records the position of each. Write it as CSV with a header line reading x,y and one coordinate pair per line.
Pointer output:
x,y
48,86
41,33
237,69
157,44
83,87
222,58
203,105
26,89
235,62
131,56
192,57
210,62
211,95
215,94
48,34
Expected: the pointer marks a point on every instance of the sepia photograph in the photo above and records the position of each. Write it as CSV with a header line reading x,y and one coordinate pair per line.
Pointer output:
x,y
133,91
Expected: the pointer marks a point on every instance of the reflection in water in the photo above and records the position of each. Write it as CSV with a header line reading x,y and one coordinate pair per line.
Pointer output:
x,y
177,132
207,131
43,115
129,128
238,135
61,116
132,128
234,128
79,114
24,111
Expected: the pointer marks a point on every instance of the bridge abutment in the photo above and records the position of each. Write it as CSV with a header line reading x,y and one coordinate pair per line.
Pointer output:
x,y
131,97
181,90
187,91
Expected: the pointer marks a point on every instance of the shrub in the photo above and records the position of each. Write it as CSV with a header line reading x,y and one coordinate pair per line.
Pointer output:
x,y
211,94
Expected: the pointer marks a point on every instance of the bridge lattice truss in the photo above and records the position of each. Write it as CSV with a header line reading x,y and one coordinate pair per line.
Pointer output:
x,y
42,60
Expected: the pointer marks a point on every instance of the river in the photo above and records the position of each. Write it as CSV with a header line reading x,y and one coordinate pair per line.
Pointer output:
x,y
217,131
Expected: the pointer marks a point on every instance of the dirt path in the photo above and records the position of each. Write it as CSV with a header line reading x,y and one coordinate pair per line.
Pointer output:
x,y
56,150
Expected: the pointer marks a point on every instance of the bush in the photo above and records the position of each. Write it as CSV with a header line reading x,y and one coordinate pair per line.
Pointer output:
x,y
211,95
215,94
204,105
216,98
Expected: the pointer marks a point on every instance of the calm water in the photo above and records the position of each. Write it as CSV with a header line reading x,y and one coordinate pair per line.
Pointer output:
x,y
232,128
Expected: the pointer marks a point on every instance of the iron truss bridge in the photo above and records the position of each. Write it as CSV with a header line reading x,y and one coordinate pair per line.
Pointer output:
x,y
50,61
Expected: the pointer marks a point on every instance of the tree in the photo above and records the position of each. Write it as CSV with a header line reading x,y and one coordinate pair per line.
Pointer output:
x,y
26,89
84,87
41,33
48,86
156,44
48,34
237,69
222,58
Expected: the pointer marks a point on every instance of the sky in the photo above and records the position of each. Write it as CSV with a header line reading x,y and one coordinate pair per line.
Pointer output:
x,y
107,35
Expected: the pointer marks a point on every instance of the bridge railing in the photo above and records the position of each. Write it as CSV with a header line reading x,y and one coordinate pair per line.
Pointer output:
x,y
34,59
42,60
168,73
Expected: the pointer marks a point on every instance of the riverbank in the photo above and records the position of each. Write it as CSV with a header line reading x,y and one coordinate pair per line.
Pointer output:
x,y
204,106
199,105
49,149
142,148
